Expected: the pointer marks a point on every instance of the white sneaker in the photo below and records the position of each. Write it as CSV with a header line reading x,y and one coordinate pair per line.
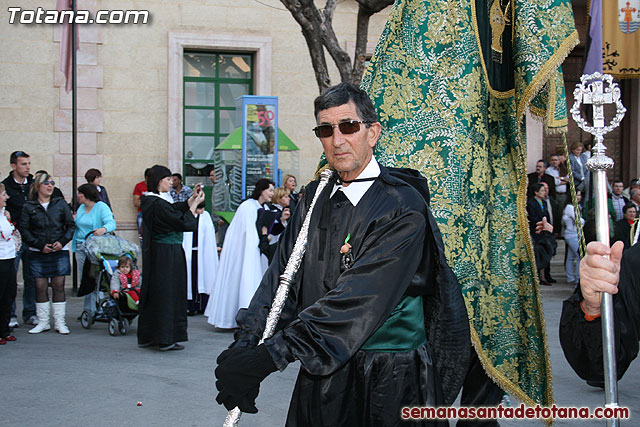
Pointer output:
x,y
13,323
33,320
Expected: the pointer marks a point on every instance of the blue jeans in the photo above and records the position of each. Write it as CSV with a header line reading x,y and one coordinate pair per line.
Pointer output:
x,y
139,223
29,294
90,300
572,265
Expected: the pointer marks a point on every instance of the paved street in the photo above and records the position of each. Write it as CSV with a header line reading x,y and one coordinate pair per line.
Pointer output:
x,y
90,378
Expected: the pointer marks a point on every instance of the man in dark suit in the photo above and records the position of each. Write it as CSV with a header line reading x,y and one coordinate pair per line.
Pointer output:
x,y
17,185
540,176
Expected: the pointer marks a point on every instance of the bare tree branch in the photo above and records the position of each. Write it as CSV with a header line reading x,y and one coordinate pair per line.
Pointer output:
x,y
362,31
311,32
329,8
317,29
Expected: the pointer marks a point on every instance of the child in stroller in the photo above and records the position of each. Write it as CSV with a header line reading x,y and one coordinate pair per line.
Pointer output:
x,y
119,311
125,286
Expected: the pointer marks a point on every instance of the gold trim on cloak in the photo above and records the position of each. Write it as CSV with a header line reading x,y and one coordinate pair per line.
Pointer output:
x,y
543,76
474,21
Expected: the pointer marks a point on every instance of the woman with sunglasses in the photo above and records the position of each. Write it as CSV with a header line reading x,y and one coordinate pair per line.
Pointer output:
x,y
47,226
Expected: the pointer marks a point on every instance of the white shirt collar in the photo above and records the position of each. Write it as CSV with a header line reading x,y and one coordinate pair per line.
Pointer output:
x,y
355,191
165,196
25,181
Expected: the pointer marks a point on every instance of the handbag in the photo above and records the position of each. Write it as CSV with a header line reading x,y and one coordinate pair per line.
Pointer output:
x,y
15,234
17,238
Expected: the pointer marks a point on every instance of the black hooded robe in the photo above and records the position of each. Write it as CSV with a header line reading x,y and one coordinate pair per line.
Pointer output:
x,y
332,311
581,340
163,295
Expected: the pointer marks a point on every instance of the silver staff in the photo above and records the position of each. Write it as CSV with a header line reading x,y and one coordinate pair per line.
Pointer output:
x,y
592,90
286,279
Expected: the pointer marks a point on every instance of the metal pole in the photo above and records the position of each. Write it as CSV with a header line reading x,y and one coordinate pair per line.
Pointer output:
x,y
606,308
591,90
286,280
74,124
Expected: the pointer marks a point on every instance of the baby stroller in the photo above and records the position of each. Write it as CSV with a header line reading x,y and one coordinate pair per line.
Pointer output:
x,y
103,253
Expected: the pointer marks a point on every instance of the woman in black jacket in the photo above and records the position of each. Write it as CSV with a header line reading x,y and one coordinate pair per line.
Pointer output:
x,y
624,228
47,225
163,295
544,245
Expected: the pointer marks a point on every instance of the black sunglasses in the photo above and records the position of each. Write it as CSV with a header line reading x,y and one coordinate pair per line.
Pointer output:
x,y
346,128
49,182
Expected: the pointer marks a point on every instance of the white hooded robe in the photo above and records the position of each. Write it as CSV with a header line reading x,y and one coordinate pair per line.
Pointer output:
x,y
240,270
207,255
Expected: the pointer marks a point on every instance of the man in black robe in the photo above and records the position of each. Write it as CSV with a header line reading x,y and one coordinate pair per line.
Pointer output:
x,y
580,323
375,315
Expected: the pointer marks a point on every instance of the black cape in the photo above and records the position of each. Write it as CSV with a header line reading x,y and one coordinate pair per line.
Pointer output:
x,y
331,311
582,340
163,295
622,232
544,244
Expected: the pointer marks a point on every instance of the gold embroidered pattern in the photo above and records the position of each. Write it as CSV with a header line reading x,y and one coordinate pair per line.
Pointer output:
x,y
429,83
498,19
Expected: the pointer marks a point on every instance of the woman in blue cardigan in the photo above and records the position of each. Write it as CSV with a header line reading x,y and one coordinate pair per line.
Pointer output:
x,y
93,217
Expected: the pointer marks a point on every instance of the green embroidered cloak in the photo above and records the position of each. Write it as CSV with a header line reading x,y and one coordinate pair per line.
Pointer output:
x,y
452,112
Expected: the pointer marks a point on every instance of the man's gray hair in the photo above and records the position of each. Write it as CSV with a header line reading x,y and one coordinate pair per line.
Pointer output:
x,y
341,94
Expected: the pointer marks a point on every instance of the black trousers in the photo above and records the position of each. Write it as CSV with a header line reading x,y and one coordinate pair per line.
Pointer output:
x,y
198,301
479,390
7,294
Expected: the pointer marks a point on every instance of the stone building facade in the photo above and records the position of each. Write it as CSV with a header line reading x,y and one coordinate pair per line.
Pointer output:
x,y
132,84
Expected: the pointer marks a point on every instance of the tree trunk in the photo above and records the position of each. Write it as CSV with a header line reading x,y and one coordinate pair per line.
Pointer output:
x,y
362,35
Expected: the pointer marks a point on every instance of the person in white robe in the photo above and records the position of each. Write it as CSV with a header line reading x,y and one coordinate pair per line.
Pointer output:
x,y
204,257
241,263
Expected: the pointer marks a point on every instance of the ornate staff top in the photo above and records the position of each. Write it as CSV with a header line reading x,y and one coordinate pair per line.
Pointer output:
x,y
592,90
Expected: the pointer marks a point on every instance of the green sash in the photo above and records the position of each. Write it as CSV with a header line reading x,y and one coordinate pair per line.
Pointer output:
x,y
402,331
171,238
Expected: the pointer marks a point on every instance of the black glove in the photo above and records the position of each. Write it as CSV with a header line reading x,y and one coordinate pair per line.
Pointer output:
x,y
240,372
246,403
